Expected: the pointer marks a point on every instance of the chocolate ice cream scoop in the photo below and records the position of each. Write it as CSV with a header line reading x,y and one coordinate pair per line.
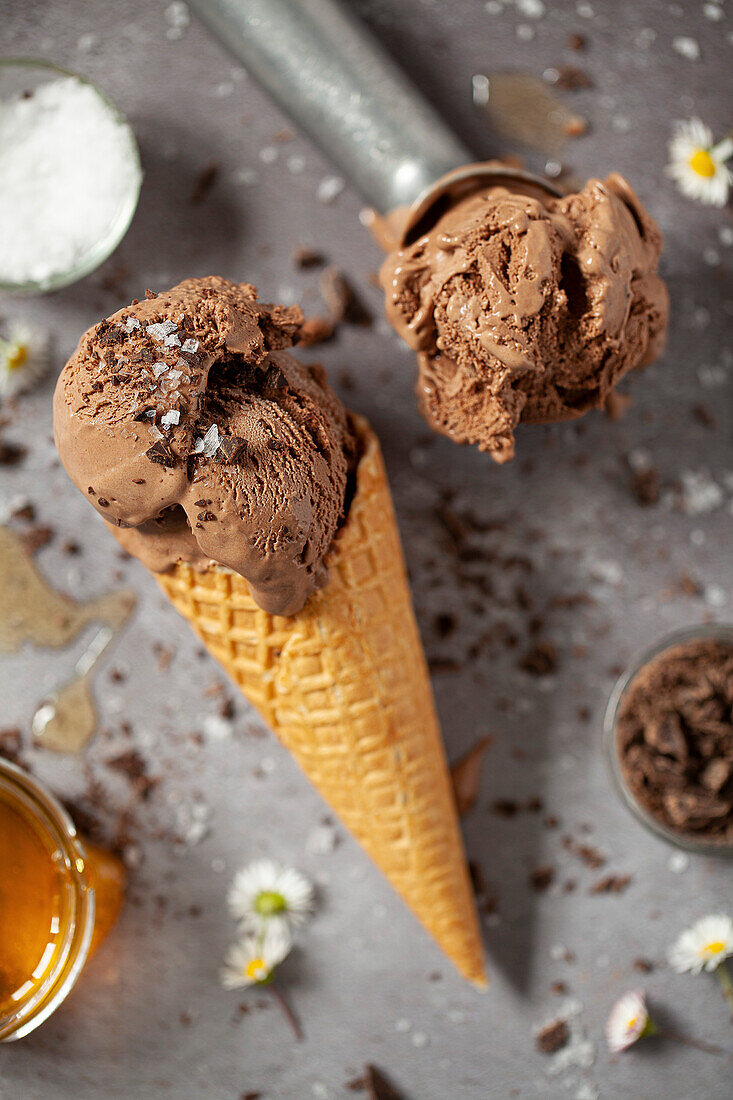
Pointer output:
x,y
526,307
199,438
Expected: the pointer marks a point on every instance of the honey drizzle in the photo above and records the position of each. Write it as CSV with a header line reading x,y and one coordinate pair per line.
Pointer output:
x,y
32,611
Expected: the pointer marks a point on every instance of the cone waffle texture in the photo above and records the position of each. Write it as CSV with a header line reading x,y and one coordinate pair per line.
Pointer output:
x,y
344,685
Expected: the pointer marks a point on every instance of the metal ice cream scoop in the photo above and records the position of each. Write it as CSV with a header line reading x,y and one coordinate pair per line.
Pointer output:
x,y
327,72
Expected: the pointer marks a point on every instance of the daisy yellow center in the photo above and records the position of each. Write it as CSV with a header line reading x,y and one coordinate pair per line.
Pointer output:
x,y
269,902
256,969
713,948
631,1023
17,355
702,163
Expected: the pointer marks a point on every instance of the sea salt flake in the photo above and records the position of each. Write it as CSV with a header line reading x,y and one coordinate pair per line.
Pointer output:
x,y
217,728
686,47
131,324
678,863
330,188
207,445
169,418
480,89
533,9
700,493
190,345
159,368
160,330
321,839
173,341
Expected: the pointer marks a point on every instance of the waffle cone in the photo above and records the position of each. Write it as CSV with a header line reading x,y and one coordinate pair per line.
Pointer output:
x,y
344,685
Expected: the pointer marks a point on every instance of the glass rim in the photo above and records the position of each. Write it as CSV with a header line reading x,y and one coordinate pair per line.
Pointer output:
x,y
103,248
62,978
686,842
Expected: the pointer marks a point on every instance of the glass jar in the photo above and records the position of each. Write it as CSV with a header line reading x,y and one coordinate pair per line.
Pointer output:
x,y
19,75
59,897
687,841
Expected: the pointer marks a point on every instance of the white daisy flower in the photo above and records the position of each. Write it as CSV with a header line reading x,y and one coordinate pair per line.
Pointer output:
x,y
252,959
698,164
627,1022
704,946
23,360
265,889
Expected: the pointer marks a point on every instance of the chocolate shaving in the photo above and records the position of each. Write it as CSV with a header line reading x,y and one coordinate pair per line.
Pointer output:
x,y
466,776
674,738
377,1086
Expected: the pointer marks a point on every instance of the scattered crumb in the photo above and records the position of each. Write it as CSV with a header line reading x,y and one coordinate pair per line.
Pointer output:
x,y
203,183
540,660
542,878
610,884
552,1037
304,258
314,331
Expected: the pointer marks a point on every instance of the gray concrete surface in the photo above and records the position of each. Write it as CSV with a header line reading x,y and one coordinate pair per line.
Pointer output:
x,y
149,1018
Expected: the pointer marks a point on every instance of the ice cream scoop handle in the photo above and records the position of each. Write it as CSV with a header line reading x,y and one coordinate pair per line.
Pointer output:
x,y
326,71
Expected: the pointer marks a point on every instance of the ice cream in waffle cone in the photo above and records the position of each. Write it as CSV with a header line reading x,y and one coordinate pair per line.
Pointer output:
x,y
342,678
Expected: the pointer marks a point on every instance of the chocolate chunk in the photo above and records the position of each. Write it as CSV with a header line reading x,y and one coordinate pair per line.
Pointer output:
x,y
102,502
342,300
206,517
552,1037
36,538
308,257
232,449
11,453
162,455
314,331
108,333
377,1085
570,78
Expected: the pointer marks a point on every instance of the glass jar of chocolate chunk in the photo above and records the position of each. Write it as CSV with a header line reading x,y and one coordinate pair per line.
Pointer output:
x,y
668,736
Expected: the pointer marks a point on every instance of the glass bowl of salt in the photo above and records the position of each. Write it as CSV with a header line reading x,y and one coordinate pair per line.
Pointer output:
x,y
70,176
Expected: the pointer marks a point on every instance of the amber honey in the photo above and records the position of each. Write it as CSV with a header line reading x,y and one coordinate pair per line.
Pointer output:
x,y
59,897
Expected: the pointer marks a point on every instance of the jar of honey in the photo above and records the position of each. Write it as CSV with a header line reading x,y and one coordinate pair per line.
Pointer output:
x,y
59,896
